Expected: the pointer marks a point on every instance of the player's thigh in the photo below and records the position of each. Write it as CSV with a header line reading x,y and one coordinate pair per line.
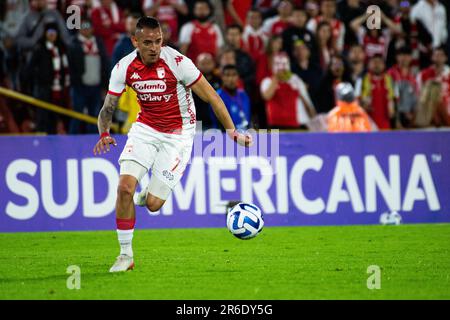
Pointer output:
x,y
140,151
158,192
171,161
131,172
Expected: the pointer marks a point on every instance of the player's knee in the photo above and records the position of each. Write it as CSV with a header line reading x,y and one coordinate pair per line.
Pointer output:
x,y
125,190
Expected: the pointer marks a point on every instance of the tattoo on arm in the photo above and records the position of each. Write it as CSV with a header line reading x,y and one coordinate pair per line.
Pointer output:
x,y
106,113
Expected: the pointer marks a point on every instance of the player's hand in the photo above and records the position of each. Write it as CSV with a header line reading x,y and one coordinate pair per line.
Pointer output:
x,y
102,146
243,139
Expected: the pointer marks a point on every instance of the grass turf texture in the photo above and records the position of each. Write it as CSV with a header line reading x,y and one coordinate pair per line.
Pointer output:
x,y
281,263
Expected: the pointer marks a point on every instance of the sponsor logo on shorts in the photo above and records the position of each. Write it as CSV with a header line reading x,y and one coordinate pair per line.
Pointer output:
x,y
168,175
149,86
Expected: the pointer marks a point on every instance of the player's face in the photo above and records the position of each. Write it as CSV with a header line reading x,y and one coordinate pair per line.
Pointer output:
x,y
149,42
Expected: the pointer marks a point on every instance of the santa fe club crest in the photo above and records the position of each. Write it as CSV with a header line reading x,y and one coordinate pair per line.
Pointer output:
x,y
161,73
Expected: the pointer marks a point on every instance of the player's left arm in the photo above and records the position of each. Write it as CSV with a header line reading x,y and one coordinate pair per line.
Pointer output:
x,y
206,92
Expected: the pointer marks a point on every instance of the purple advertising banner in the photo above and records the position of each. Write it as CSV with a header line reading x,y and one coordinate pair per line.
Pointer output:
x,y
297,179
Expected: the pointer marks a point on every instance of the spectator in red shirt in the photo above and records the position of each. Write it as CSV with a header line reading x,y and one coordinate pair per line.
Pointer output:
x,y
236,11
276,25
414,35
108,21
264,63
200,35
254,38
438,71
166,11
328,14
376,93
405,87
432,110
375,41
288,104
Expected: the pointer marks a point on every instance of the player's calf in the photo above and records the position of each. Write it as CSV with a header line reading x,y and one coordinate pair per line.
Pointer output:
x,y
154,203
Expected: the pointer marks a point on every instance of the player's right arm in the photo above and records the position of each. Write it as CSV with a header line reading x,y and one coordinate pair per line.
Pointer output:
x,y
105,117
104,124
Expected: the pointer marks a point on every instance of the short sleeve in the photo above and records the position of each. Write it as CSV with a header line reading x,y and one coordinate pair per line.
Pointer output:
x,y
117,80
188,72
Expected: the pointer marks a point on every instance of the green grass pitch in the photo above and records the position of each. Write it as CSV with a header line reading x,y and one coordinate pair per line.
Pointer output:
x,y
281,263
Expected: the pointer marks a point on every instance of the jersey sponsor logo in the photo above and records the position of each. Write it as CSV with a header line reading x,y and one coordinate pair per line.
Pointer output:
x,y
149,86
161,72
192,117
178,59
135,76
148,97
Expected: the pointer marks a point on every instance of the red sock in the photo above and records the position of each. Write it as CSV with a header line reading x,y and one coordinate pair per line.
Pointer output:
x,y
125,224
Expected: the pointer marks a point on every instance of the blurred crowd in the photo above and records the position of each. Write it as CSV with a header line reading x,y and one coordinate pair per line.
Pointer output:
x,y
275,63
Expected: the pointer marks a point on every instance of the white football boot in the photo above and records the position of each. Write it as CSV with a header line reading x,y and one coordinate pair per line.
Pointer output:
x,y
123,263
140,199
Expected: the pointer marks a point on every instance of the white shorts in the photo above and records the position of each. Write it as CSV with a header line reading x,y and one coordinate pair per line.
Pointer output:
x,y
167,155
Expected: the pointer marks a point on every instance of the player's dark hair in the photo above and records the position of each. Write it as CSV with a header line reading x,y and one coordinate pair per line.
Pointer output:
x,y
235,26
229,67
147,22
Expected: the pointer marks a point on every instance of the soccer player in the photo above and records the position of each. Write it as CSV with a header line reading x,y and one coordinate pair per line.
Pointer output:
x,y
161,139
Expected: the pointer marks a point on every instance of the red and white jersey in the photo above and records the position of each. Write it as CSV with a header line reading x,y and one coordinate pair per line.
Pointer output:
x,y
274,26
201,38
443,77
254,41
163,89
